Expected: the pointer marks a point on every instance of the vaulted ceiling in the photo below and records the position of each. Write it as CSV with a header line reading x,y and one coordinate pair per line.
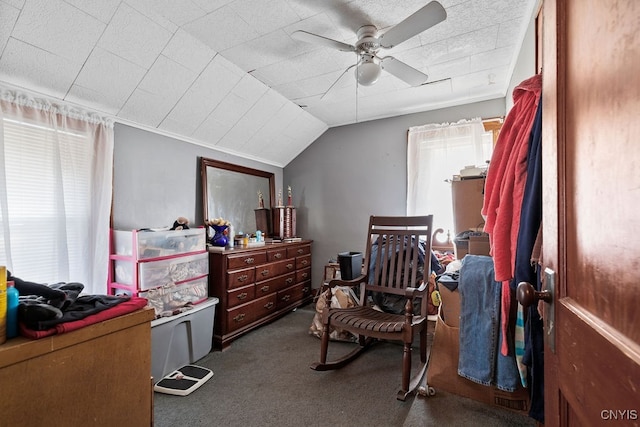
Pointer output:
x,y
227,74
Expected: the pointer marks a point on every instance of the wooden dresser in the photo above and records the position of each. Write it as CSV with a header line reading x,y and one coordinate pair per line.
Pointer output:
x,y
256,285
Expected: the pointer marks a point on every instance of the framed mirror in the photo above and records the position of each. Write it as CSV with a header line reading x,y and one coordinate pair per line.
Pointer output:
x,y
231,192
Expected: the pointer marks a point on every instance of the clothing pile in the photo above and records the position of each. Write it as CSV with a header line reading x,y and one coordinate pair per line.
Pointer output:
x,y
46,310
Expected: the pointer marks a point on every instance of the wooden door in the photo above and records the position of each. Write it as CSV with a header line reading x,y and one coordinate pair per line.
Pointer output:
x,y
591,210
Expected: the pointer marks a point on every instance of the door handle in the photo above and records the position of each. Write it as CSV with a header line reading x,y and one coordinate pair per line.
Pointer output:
x,y
527,295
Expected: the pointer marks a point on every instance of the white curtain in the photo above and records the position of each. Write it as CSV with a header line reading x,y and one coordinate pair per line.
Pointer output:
x,y
435,153
55,192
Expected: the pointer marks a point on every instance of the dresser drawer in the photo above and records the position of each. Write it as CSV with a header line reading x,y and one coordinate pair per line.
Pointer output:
x,y
240,316
298,250
246,259
303,261
242,277
264,306
275,284
274,269
303,274
241,295
277,255
293,294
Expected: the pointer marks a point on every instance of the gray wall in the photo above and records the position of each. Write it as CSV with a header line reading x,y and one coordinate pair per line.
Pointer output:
x,y
354,171
157,178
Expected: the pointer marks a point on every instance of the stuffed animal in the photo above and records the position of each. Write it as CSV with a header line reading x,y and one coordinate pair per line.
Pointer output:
x,y
181,223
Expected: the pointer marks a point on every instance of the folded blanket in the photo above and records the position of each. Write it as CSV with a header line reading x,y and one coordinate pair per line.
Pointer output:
x,y
125,306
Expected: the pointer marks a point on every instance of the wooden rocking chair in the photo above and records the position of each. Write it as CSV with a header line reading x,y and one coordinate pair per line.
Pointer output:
x,y
399,253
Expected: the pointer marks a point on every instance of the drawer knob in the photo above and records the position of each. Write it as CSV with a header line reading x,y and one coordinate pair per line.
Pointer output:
x,y
304,275
289,266
286,298
243,278
242,295
278,255
239,317
268,305
304,262
249,260
289,280
300,251
305,290
264,272
265,288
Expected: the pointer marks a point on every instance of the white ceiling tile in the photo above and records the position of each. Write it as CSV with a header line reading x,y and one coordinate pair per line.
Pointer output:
x,y
238,136
155,14
93,99
15,3
206,93
491,58
221,29
265,16
146,107
260,114
30,67
473,42
99,9
167,78
454,68
212,130
211,5
509,32
46,24
250,89
263,51
231,109
134,37
178,128
110,75
8,18
179,12
188,51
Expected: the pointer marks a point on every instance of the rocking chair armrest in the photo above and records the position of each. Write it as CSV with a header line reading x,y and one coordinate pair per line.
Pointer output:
x,y
353,282
415,292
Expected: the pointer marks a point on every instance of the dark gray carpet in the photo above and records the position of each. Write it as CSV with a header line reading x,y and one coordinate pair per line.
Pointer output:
x,y
263,379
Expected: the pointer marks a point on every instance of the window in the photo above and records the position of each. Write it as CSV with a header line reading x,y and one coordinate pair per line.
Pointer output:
x,y
55,195
436,153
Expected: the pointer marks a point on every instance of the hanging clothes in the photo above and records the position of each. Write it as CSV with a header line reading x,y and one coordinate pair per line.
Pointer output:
x,y
504,188
526,271
506,177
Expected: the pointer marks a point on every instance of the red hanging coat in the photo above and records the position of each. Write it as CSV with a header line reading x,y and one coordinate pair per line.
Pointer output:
x,y
506,178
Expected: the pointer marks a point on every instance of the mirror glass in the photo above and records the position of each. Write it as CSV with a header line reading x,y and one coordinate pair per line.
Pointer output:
x,y
231,192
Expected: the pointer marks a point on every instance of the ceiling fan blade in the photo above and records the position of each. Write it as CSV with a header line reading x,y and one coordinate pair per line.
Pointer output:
x,y
403,71
425,18
337,80
308,37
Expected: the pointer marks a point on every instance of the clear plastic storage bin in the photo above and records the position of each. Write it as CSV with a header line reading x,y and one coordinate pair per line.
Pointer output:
x,y
170,298
152,244
153,274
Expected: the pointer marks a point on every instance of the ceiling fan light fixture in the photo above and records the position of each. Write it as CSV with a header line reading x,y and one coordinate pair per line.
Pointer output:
x,y
368,72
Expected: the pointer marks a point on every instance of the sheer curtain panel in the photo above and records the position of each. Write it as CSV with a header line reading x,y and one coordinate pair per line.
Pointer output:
x,y
436,152
55,192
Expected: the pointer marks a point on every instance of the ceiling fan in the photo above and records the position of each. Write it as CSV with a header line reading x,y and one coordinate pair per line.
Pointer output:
x,y
369,65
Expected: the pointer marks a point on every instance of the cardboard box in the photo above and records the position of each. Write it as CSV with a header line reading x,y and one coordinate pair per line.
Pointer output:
x,y
442,372
479,245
